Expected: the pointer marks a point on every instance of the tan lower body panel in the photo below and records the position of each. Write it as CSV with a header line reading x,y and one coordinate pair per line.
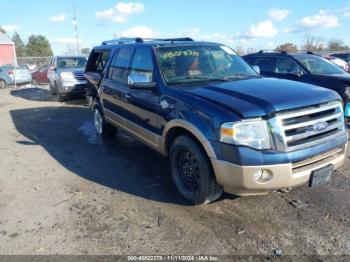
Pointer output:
x,y
238,180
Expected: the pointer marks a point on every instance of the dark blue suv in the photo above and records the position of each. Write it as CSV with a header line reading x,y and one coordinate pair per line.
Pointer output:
x,y
304,67
223,127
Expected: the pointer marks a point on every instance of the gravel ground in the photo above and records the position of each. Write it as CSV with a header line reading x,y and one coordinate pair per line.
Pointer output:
x,y
65,191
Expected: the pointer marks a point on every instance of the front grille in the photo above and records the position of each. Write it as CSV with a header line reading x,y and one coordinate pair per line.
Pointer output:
x,y
310,126
79,75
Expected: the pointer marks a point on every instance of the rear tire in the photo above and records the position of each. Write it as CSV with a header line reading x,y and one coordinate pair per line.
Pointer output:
x,y
103,128
192,173
2,84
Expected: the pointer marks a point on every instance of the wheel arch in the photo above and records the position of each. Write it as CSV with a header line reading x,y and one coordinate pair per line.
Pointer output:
x,y
6,83
180,127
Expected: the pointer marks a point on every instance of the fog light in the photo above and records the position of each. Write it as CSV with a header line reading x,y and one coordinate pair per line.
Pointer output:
x,y
262,176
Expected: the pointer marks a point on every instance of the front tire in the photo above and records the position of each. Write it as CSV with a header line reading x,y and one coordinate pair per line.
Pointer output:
x,y
60,97
52,90
103,128
192,172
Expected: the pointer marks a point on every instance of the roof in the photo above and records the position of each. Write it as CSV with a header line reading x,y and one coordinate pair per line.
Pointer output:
x,y
150,42
4,40
283,53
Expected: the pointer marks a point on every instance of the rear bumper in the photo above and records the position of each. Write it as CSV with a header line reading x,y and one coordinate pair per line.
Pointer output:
x,y
239,180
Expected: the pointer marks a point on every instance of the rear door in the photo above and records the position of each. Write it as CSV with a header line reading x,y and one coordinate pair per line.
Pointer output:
x,y
114,86
96,64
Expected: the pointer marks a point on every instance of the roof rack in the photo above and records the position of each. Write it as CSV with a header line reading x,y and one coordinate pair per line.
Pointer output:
x,y
120,41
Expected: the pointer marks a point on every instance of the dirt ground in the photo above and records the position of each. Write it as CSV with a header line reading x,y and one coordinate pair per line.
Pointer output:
x,y
65,191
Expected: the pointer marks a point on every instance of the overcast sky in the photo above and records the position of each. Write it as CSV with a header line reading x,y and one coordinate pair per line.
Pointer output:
x,y
261,24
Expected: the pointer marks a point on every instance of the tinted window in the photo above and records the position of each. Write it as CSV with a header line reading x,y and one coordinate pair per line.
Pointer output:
x,y
98,61
345,57
119,67
286,66
266,64
142,63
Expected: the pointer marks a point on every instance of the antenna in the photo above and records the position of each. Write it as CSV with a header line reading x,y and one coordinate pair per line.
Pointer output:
x,y
75,27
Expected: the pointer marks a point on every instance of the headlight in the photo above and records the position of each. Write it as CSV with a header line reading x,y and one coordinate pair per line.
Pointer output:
x,y
67,75
347,91
252,133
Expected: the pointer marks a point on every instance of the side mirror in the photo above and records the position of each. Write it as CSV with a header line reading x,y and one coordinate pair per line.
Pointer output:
x,y
256,69
139,81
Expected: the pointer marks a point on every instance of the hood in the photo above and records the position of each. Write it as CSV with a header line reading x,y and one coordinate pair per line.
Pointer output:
x,y
73,70
263,96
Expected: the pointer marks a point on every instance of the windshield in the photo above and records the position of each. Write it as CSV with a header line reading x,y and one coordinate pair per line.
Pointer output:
x,y
182,65
71,62
318,65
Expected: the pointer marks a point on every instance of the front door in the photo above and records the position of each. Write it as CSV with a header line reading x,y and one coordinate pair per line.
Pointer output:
x,y
143,105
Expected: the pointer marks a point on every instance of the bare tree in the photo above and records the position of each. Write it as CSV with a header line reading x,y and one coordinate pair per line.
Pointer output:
x,y
336,45
251,50
240,50
312,44
287,47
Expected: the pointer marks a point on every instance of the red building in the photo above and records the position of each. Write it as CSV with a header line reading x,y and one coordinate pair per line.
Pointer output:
x,y
7,51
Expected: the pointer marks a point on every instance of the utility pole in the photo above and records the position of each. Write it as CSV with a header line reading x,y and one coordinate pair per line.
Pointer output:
x,y
75,27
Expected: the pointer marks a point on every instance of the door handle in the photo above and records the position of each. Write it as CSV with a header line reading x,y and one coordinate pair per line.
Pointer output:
x,y
127,97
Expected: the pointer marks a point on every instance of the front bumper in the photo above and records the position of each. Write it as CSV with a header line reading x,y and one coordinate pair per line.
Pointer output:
x,y
70,87
238,180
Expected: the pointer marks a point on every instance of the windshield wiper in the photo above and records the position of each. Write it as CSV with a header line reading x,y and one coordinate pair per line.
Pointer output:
x,y
209,78
241,75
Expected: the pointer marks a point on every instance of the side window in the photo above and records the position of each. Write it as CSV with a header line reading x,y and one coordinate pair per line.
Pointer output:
x,y
142,63
286,66
266,64
119,68
97,61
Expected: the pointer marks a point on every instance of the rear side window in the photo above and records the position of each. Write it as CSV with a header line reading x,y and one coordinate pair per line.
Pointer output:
x,y
119,67
142,63
98,61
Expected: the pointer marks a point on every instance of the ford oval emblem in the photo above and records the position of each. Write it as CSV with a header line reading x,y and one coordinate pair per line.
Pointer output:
x,y
320,126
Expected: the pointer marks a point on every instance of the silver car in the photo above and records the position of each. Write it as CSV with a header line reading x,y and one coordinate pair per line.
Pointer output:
x,y
10,75
66,76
